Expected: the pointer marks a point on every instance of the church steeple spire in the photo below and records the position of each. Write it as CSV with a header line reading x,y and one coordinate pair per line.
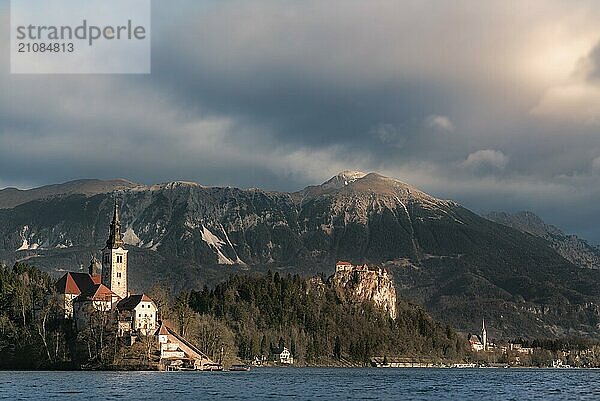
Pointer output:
x,y
114,258
484,335
115,238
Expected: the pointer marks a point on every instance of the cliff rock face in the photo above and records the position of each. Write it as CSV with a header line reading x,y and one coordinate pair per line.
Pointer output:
x,y
366,285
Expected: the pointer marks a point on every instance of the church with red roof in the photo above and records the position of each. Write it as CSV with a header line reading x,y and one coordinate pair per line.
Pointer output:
x,y
101,295
104,290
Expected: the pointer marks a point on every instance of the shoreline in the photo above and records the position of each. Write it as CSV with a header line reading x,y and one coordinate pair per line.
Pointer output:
x,y
314,367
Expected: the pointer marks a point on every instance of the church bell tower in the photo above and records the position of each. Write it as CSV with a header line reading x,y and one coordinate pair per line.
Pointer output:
x,y
484,336
114,258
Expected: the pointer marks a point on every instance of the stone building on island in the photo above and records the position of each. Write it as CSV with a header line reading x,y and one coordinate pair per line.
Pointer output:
x,y
71,285
104,289
114,259
103,292
99,299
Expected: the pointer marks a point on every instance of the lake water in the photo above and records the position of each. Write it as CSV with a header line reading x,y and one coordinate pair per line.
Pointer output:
x,y
306,384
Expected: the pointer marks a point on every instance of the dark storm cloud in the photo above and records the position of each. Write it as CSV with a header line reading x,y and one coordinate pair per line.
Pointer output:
x,y
468,100
302,79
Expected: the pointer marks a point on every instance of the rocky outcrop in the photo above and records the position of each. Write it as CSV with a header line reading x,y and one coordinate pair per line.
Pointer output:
x,y
365,284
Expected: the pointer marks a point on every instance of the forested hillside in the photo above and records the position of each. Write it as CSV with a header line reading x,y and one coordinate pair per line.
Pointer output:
x,y
317,326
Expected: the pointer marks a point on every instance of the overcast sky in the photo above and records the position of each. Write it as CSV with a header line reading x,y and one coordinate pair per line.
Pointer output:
x,y
495,104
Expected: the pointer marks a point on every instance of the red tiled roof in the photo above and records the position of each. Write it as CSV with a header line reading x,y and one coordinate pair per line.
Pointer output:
x,y
102,292
76,284
99,293
146,298
341,262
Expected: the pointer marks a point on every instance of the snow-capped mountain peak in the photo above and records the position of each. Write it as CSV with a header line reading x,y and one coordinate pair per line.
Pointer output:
x,y
350,176
342,179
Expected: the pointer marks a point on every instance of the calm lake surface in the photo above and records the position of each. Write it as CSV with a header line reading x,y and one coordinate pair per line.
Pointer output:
x,y
306,384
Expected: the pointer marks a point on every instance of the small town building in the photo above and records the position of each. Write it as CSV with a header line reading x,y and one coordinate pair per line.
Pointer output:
x,y
282,356
479,342
520,349
484,339
260,360
475,342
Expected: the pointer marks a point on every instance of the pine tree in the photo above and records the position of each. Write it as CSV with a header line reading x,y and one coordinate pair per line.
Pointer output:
x,y
263,345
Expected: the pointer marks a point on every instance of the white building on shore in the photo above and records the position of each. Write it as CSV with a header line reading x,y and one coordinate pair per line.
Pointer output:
x,y
479,342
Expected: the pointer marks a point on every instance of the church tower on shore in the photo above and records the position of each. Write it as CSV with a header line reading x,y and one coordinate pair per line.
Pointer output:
x,y
114,258
484,336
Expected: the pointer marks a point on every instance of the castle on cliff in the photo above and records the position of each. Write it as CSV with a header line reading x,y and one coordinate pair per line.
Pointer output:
x,y
365,283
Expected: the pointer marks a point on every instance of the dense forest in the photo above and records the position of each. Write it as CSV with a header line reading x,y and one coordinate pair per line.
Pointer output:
x,y
308,317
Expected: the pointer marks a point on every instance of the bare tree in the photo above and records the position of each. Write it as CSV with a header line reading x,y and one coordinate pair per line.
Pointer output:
x,y
162,298
99,328
183,313
213,337
47,311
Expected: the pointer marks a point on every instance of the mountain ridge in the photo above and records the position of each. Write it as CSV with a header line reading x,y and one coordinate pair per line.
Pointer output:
x,y
573,248
11,197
